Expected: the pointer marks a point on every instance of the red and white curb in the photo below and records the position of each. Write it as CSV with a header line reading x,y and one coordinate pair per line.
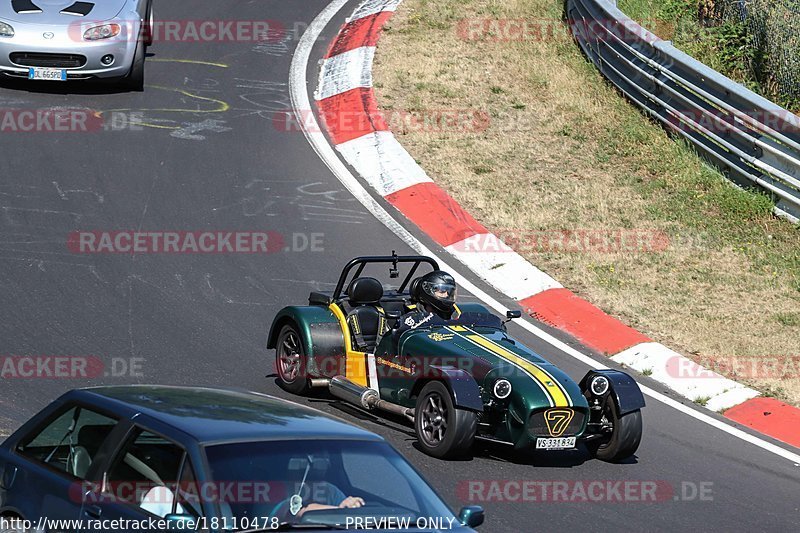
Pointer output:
x,y
366,143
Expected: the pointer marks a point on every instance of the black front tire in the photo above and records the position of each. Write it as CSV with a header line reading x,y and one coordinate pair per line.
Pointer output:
x,y
625,437
134,81
290,361
147,29
443,431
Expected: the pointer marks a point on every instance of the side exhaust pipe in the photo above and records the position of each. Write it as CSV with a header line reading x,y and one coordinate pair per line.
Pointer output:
x,y
365,398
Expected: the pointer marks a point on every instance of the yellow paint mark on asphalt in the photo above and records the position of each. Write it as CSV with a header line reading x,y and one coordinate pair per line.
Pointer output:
x,y
157,126
221,107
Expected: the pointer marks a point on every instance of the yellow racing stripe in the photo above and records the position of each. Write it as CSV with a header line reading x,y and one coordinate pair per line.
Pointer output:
x,y
549,384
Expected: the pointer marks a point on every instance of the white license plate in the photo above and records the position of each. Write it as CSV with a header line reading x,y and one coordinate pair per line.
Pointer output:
x,y
557,443
48,74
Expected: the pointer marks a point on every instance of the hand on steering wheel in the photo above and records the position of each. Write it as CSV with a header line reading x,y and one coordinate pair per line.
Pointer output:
x,y
352,502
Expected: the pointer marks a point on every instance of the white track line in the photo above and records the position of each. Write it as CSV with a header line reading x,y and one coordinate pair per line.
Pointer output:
x,y
298,90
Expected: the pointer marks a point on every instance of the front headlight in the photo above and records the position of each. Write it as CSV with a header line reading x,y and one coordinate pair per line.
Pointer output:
x,y
6,30
106,31
502,389
599,385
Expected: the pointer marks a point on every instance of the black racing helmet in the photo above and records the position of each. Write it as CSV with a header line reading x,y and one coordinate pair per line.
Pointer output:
x,y
437,289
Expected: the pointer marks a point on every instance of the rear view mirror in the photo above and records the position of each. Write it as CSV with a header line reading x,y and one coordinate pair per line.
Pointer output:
x,y
511,315
317,463
471,516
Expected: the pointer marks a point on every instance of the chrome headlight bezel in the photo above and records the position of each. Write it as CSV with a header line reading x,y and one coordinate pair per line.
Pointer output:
x,y
501,389
599,385
6,30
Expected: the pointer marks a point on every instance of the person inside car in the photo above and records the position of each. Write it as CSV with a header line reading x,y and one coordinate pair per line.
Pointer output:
x,y
313,493
434,295
331,498
319,496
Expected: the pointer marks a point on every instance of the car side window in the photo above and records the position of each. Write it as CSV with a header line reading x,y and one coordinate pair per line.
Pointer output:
x,y
70,442
145,474
382,479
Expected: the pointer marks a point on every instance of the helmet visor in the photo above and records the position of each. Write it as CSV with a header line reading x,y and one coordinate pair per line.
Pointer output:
x,y
444,292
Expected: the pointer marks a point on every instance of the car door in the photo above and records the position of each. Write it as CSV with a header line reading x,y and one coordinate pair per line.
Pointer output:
x,y
52,464
148,477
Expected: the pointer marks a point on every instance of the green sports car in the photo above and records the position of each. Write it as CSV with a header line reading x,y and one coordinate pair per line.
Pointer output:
x,y
457,380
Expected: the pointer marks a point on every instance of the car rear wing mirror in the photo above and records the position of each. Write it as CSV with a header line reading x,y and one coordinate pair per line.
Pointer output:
x,y
511,315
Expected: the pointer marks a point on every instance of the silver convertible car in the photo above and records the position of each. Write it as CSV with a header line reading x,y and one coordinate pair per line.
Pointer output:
x,y
60,40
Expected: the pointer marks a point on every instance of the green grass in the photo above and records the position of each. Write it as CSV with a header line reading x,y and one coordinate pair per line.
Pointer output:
x,y
702,400
788,319
725,46
699,197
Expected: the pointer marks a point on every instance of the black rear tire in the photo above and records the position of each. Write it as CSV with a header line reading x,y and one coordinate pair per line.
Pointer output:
x,y
290,361
443,430
625,437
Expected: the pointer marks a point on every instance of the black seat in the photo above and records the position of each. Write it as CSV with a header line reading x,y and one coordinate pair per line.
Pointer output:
x,y
90,438
367,319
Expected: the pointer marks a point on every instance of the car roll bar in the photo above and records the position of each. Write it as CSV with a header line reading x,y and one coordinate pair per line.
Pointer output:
x,y
393,260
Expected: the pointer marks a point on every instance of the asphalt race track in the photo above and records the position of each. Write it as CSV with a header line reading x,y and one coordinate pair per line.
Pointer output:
x,y
207,152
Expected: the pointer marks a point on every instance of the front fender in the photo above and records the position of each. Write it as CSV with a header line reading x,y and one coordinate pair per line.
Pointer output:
x,y
463,387
624,389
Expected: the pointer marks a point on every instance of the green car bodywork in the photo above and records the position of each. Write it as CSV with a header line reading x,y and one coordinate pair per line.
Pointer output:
x,y
486,354
517,396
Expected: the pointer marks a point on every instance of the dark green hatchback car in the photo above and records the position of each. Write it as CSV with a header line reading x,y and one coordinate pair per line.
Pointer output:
x,y
135,458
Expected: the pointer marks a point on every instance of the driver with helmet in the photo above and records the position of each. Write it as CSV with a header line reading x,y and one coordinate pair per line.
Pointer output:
x,y
435,297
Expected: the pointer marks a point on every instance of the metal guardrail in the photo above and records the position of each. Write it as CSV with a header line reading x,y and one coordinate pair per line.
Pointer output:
x,y
755,142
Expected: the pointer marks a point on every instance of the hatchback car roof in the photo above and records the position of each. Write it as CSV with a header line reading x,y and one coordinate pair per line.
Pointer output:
x,y
222,415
